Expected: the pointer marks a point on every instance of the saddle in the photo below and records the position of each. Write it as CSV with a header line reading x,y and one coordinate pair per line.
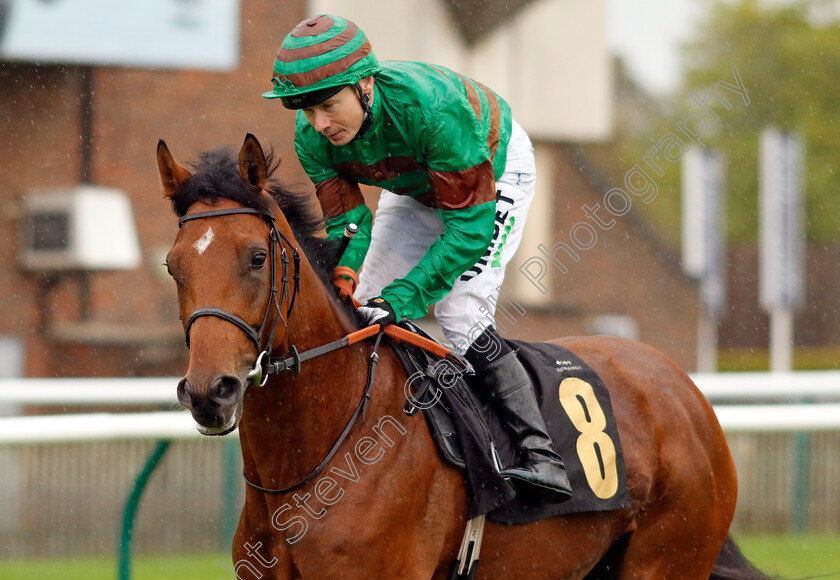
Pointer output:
x,y
469,436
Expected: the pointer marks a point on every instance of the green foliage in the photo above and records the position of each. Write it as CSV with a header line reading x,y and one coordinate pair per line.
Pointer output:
x,y
790,65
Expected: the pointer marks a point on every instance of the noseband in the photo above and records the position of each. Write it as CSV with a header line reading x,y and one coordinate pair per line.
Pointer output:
x,y
275,240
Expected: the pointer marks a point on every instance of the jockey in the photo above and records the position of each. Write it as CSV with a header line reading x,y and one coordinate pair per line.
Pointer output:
x,y
457,176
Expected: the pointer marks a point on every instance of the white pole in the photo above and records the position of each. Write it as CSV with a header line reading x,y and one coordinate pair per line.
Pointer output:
x,y
781,339
782,258
707,342
703,246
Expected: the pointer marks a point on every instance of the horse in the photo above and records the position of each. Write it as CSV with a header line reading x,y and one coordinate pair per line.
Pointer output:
x,y
252,270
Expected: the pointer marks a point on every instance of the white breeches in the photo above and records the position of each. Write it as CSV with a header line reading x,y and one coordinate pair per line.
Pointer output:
x,y
404,229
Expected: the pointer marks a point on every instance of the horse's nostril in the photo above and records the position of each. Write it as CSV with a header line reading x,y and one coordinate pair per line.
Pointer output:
x,y
183,392
226,387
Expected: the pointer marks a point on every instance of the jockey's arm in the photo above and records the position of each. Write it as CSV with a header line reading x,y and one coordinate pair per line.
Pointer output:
x,y
342,203
466,203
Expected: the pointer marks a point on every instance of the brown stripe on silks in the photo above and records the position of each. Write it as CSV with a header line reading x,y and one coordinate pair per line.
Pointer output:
x,y
388,168
495,120
324,23
304,52
466,188
313,76
338,196
472,96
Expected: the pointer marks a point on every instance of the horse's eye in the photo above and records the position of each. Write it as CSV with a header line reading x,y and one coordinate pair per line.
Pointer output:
x,y
258,261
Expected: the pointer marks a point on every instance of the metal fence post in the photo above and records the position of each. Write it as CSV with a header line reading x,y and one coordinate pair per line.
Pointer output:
x,y
131,504
801,482
231,479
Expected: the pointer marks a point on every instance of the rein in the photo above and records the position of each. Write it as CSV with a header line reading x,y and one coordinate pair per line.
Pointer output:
x,y
293,363
360,408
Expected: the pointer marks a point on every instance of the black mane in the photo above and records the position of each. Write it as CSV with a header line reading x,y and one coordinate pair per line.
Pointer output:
x,y
216,175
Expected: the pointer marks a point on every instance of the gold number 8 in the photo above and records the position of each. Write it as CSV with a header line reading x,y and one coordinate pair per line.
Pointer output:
x,y
594,447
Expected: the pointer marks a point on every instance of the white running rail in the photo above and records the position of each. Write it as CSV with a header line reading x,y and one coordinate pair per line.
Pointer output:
x,y
780,390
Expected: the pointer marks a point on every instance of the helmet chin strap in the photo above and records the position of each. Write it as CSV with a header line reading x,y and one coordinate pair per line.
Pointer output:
x,y
368,119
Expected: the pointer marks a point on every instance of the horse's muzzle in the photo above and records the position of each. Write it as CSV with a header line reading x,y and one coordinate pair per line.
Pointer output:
x,y
215,411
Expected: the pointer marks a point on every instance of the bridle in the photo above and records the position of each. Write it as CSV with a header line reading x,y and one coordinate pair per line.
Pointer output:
x,y
276,239
267,365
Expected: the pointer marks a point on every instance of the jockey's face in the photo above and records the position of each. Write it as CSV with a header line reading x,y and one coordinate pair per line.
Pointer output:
x,y
340,117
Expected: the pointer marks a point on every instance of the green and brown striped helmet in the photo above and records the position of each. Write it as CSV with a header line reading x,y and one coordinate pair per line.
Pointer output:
x,y
318,58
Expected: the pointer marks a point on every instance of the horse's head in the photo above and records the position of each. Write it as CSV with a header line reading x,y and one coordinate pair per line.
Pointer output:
x,y
230,264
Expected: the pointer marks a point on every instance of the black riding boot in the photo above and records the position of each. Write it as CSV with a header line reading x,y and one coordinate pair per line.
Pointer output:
x,y
540,469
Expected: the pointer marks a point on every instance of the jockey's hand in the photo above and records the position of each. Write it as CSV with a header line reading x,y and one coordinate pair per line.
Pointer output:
x,y
377,311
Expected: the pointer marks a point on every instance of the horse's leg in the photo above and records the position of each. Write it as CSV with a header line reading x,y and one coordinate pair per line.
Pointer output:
x,y
681,535
563,547
668,544
257,548
683,482
401,531
398,515
682,479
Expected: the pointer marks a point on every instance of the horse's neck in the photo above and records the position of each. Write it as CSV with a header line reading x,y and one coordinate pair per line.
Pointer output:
x,y
300,416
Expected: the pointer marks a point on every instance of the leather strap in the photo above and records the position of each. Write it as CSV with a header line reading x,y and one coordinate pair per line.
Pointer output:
x,y
400,334
276,366
346,280
221,212
360,410
224,315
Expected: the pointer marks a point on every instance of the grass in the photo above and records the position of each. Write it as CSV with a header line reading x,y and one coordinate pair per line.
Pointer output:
x,y
169,567
788,556
793,555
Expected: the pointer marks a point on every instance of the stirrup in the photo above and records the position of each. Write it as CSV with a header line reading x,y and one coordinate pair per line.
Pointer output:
x,y
466,564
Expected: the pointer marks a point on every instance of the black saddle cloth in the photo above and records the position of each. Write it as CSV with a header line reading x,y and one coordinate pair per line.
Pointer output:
x,y
575,404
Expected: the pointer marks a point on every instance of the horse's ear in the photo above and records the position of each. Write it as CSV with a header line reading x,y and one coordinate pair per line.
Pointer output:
x,y
172,174
252,164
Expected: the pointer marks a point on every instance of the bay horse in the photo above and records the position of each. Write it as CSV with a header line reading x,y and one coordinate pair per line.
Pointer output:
x,y
252,277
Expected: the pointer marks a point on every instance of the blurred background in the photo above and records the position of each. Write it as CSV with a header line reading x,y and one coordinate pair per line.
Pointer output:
x,y
618,97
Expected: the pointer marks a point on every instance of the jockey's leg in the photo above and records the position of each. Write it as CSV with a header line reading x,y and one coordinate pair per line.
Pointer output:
x,y
470,306
539,469
467,314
